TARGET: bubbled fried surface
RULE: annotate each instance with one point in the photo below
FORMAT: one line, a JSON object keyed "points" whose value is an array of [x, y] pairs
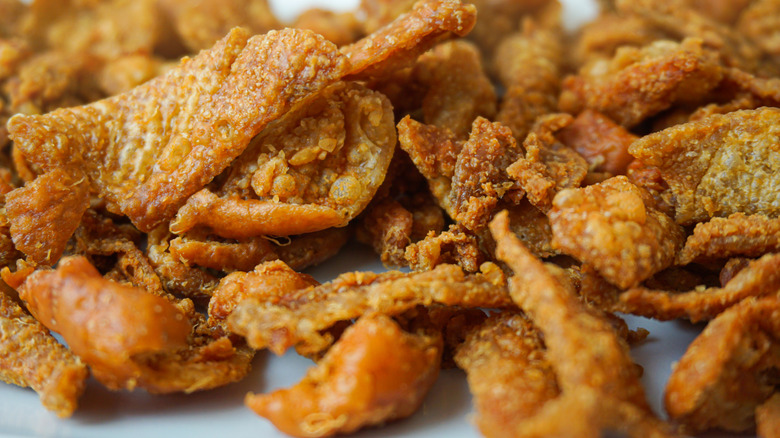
{"points": [[736, 235]]}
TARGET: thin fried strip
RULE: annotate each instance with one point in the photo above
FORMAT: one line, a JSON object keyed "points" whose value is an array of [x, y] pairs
{"points": [[737, 235]]}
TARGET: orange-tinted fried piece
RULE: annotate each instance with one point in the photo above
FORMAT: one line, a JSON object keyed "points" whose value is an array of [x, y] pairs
{"points": [[10, 13], [201, 23], [600, 38], [127, 72], [224, 256], [508, 372], [719, 165], [13, 51], [147, 150], [378, 13], [727, 371], [271, 282], [315, 168], [314, 248], [768, 417], [759, 22], [736, 235], [281, 326], [44, 214], [760, 278], [398, 44], [340, 28], [609, 227], [456, 246], [602, 142], [457, 89], [375, 373], [387, 227], [30, 356], [104, 323], [638, 83]]}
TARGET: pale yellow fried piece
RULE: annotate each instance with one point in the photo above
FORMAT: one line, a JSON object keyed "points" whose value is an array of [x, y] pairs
{"points": [[608, 226], [104, 323], [316, 168], [508, 372], [30, 356], [737, 235], [719, 165], [146, 151], [398, 44], [301, 322], [768, 417], [375, 373], [640, 82], [761, 277], [723, 376]]}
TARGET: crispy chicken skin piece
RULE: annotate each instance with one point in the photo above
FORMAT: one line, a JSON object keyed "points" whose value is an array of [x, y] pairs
{"points": [[508, 373], [737, 235], [768, 417], [455, 245], [104, 323], [718, 165], [375, 373], [340, 28], [279, 326], [640, 82], [224, 256], [726, 373], [608, 226], [602, 142], [146, 151], [387, 227], [400, 42], [30, 356]]}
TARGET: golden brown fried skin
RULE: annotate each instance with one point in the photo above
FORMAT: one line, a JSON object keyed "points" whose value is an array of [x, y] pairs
{"points": [[301, 322], [508, 372], [457, 245], [317, 167], [387, 227], [736, 235], [312, 249], [147, 150], [44, 214], [104, 323], [224, 256], [373, 374], [768, 417], [30, 356], [719, 165], [725, 373], [398, 44], [609, 227], [602, 142], [760, 278], [638, 83], [340, 28], [759, 22], [600, 38], [127, 72], [10, 13]]}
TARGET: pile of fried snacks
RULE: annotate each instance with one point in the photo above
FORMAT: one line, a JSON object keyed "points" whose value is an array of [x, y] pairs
{"points": [[169, 167]]}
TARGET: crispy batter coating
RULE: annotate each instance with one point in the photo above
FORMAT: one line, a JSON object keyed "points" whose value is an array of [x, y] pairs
{"points": [[602, 142], [508, 372], [30, 356], [147, 150], [104, 323], [44, 214], [281, 326], [768, 417], [719, 165], [315, 168], [638, 83], [375, 373], [398, 44], [726, 373], [455, 246], [761, 277], [387, 227], [736, 235], [609, 227], [340, 28]]}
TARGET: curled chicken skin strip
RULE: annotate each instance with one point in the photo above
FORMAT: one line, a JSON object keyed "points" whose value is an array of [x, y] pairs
{"points": [[726, 372], [104, 323], [736, 235], [300, 322], [375, 373], [146, 151]]}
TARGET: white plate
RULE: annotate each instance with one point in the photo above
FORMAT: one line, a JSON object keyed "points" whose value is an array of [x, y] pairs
{"points": [[217, 413]]}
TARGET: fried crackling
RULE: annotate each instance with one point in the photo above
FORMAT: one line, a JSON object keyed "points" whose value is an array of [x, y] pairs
{"points": [[223, 256], [387, 227], [759, 278], [455, 245], [375, 373], [317, 167], [30, 356], [601, 38], [299, 323], [602, 142], [737, 235], [340, 28], [608, 226], [103, 322], [719, 165], [768, 417], [508, 373], [726, 372], [400, 42], [148, 150], [759, 22], [640, 82], [44, 214]]}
